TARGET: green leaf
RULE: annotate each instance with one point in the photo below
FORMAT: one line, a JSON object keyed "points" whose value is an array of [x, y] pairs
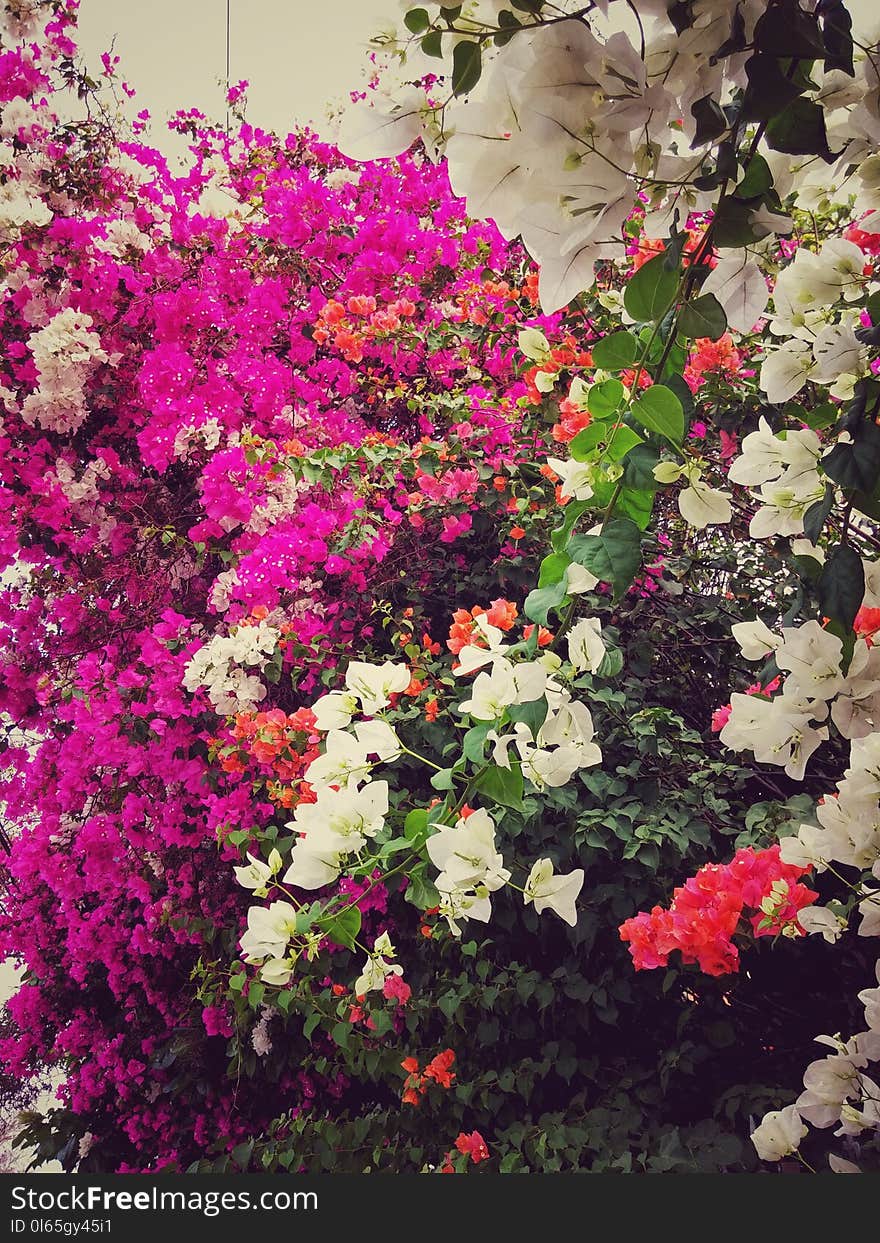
{"points": [[415, 824], [553, 569], [502, 785], [841, 586], [571, 513], [798, 130], [638, 469], [311, 1023], [732, 225], [615, 352], [786, 30], [614, 556], [344, 927], [241, 1153], [442, 780], [856, 465], [704, 317], [467, 66], [417, 21], [538, 603], [816, 515], [432, 44], [661, 412], [710, 119], [757, 178], [770, 90], [604, 398], [622, 441], [651, 291], [823, 416], [638, 504], [421, 892], [837, 31], [340, 1034], [533, 714], [474, 742], [584, 445]]}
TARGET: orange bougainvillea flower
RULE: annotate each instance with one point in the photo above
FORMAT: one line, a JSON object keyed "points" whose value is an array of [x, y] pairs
{"points": [[431, 710], [516, 533], [545, 636], [439, 1068]]}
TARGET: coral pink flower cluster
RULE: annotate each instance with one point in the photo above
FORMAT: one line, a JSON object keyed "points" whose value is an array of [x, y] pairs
{"points": [[708, 910]]}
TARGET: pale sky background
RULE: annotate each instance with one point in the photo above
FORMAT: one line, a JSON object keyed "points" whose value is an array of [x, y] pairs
{"points": [[298, 55]]}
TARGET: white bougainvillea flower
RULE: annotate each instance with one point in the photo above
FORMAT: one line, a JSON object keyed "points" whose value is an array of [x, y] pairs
{"points": [[818, 919], [384, 127], [575, 478], [318, 858], [258, 874], [520, 736], [269, 929], [379, 739], [756, 640], [741, 288], [344, 762], [347, 812], [578, 579], [334, 711], [374, 684], [376, 970], [586, 651], [702, 506], [473, 657], [465, 852], [779, 1134], [784, 507], [276, 971], [555, 893], [556, 767], [779, 731], [457, 903], [838, 352], [785, 372], [766, 456], [572, 727], [533, 344], [491, 694], [811, 655]]}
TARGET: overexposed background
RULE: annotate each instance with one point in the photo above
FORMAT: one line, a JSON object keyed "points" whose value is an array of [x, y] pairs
{"points": [[297, 55]]}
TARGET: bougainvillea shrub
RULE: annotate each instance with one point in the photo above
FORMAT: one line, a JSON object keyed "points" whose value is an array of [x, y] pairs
{"points": [[439, 592]]}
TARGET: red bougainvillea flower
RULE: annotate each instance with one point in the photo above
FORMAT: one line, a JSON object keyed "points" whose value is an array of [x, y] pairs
{"points": [[474, 1146]]}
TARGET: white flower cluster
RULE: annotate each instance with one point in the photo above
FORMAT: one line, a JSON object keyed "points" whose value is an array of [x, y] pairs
{"points": [[350, 807], [65, 352], [848, 833], [190, 438], [20, 206], [573, 119], [787, 728], [471, 868], [836, 1088], [784, 470], [221, 667], [564, 742], [122, 236], [811, 311]]}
